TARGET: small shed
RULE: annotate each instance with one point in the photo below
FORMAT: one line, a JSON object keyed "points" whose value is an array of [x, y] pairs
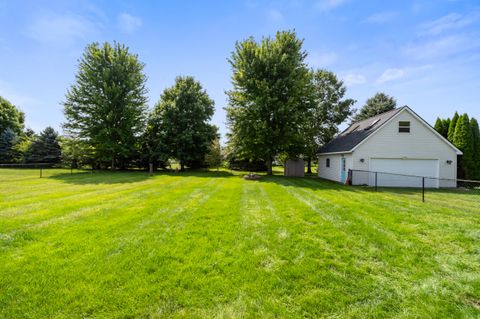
{"points": [[295, 168]]}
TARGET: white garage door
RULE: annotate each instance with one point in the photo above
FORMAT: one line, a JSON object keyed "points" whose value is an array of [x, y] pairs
{"points": [[413, 167]]}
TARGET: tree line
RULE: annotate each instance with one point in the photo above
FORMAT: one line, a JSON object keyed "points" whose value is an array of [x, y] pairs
{"points": [[278, 108], [463, 132]]}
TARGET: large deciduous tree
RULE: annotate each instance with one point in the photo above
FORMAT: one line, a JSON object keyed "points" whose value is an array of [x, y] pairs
{"points": [[179, 127], [45, 148], [106, 107], [10, 117], [269, 97], [326, 111], [378, 104]]}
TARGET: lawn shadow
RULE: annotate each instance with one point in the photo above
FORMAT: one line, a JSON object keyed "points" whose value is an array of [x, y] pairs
{"points": [[122, 177]]}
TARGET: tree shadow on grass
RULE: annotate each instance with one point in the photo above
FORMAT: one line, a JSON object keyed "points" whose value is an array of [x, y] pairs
{"points": [[124, 177]]}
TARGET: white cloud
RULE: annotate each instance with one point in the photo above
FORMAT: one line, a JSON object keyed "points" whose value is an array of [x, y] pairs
{"points": [[129, 23], [325, 5], [452, 21], [65, 29], [390, 75], [354, 79], [321, 60], [381, 17]]}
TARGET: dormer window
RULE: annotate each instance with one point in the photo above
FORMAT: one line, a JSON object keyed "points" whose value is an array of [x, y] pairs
{"points": [[404, 127]]}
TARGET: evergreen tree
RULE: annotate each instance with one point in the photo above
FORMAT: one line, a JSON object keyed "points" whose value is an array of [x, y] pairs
{"points": [[476, 148], [106, 106], [452, 127], [8, 140], [45, 148], [378, 104], [214, 156], [462, 139]]}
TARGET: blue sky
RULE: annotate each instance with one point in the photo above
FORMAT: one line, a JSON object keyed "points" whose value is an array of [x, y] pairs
{"points": [[424, 53]]}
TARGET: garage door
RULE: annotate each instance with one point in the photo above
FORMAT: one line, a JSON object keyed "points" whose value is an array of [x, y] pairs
{"points": [[398, 167]]}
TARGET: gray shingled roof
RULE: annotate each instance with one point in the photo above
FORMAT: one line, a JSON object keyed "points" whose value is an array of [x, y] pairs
{"points": [[357, 132]]}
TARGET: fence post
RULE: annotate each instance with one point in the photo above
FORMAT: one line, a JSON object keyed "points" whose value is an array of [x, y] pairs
{"points": [[423, 189], [376, 187]]}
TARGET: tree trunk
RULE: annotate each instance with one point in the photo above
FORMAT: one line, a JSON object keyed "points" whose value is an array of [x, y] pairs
{"points": [[309, 165], [269, 166], [113, 163], [182, 166]]}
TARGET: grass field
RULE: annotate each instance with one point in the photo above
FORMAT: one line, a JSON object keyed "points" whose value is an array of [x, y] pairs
{"points": [[211, 245]]}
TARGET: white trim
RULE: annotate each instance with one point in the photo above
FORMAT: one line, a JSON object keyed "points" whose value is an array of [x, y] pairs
{"points": [[419, 119], [334, 153]]}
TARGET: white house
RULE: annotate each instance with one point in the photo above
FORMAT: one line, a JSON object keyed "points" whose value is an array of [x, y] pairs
{"points": [[399, 145]]}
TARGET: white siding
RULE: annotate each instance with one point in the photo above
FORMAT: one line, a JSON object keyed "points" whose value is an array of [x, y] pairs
{"points": [[333, 172], [420, 143]]}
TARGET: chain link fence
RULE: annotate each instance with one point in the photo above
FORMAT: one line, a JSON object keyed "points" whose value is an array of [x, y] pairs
{"points": [[384, 179]]}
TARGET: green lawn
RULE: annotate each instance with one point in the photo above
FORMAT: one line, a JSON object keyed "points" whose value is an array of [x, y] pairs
{"points": [[211, 245]]}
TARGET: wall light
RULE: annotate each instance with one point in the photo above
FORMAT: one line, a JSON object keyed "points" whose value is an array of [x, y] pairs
{"points": [[362, 160], [449, 162]]}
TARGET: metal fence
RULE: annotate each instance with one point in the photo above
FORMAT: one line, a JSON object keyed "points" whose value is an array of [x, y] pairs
{"points": [[384, 179], [42, 167]]}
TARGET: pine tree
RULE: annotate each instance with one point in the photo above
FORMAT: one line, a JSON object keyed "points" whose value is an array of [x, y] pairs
{"points": [[45, 148], [476, 148], [452, 126], [377, 104], [440, 127], [8, 140], [462, 139]]}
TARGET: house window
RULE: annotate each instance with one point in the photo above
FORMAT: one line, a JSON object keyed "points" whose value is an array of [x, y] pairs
{"points": [[328, 162], [404, 127]]}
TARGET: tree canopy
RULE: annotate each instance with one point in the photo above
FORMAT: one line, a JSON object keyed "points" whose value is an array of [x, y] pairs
{"points": [[269, 97], [378, 104], [327, 110], [179, 125], [106, 106], [452, 126], [11, 117]]}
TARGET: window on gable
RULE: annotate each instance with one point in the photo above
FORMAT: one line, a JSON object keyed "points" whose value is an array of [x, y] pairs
{"points": [[404, 127], [328, 162]]}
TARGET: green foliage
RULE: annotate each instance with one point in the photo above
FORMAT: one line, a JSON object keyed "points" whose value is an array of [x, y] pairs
{"points": [[328, 109], [476, 148], [378, 104], [10, 117], [45, 148], [452, 126], [441, 126], [8, 140], [269, 98], [463, 140], [179, 125], [214, 156], [75, 152], [106, 107]]}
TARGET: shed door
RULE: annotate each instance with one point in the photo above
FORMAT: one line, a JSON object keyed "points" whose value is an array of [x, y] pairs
{"points": [[413, 167]]}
